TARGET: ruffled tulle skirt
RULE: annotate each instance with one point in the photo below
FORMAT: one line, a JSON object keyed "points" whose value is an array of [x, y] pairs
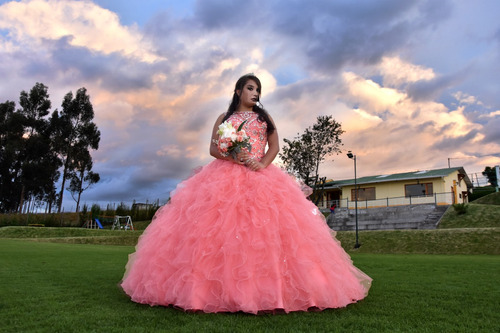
{"points": [[231, 239]]}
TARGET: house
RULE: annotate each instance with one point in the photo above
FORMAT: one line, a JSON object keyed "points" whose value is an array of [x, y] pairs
{"points": [[142, 206], [440, 187]]}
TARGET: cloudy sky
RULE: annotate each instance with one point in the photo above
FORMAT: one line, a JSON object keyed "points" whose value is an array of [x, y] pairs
{"points": [[415, 84]]}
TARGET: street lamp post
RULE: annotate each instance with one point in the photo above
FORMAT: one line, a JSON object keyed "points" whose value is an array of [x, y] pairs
{"points": [[352, 156]]}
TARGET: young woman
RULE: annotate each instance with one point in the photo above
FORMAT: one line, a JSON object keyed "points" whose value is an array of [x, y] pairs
{"points": [[229, 240]]}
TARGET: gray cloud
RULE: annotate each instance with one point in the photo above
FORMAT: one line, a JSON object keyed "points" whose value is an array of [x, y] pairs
{"points": [[429, 125], [334, 34], [492, 131], [222, 14], [116, 72], [433, 89], [455, 143]]}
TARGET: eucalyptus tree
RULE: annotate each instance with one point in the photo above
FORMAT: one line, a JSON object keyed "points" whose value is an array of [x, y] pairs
{"points": [[81, 176], [11, 132], [303, 155], [75, 133], [39, 163]]}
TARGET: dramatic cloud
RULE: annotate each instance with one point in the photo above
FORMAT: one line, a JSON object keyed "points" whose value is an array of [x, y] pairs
{"points": [[412, 82], [82, 23]]}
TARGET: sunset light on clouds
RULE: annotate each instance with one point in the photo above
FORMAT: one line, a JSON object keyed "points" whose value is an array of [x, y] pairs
{"points": [[412, 82]]}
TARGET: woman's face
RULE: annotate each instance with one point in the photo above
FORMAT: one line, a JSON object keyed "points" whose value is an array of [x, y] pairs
{"points": [[249, 95]]}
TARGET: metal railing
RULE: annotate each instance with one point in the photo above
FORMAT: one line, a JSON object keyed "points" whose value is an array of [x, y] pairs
{"points": [[445, 198]]}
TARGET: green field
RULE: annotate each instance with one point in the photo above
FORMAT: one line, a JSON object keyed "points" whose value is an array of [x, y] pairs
{"points": [[57, 287], [444, 280], [440, 241]]}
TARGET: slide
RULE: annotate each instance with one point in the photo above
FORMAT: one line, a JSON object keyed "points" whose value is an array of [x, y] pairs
{"points": [[98, 223]]}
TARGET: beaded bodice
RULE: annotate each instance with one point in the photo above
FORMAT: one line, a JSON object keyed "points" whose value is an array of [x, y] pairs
{"points": [[255, 129]]}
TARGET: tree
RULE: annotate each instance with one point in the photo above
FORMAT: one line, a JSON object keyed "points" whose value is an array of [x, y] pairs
{"points": [[75, 133], [81, 177], [491, 174], [38, 163], [28, 164], [303, 155], [11, 132]]}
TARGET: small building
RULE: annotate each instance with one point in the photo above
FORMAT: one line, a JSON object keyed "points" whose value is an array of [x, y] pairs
{"points": [[142, 206], [440, 186]]}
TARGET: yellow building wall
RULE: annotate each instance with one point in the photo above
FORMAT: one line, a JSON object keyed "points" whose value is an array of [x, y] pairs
{"points": [[459, 186], [447, 190], [397, 188]]}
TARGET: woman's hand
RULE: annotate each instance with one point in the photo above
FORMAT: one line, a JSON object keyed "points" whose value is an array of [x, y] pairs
{"points": [[251, 163], [240, 158], [254, 165]]}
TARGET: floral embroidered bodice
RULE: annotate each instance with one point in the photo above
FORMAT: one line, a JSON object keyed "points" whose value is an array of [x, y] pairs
{"points": [[254, 128]]}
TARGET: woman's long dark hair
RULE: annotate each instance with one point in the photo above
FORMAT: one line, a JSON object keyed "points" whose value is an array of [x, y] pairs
{"points": [[263, 116]]}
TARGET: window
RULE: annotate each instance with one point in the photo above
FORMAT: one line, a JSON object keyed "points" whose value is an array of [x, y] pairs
{"points": [[418, 190], [366, 193]]}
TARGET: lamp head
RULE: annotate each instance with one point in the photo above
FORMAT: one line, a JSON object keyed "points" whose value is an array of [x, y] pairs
{"points": [[349, 154]]}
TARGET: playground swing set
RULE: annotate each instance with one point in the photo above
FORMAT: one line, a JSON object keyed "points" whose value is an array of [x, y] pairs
{"points": [[119, 222]]}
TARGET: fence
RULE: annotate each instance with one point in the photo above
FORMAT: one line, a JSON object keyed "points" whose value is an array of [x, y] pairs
{"points": [[445, 198]]}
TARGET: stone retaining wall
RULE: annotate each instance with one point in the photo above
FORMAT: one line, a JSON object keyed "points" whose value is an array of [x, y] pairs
{"points": [[386, 218]]}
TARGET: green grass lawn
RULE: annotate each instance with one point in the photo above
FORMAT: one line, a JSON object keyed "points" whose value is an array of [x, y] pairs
{"points": [[73, 235], [481, 213], [490, 199], [441, 241], [444, 280], [477, 216], [58, 287]]}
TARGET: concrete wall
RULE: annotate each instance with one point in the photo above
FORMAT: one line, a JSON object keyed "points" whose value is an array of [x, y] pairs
{"points": [[387, 218]]}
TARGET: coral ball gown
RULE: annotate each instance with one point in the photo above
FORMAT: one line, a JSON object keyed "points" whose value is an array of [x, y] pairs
{"points": [[232, 239]]}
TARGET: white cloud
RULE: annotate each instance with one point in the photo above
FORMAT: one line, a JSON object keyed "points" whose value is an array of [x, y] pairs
{"points": [[82, 22], [491, 114], [464, 98], [226, 64], [374, 120], [397, 72], [366, 92]]}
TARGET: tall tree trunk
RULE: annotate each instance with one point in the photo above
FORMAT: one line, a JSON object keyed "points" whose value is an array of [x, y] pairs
{"points": [[31, 205], [61, 193], [82, 175], [78, 202], [21, 200]]}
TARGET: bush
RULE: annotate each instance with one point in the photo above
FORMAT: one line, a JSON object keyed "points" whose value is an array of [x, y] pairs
{"points": [[110, 211], [122, 209], [47, 220], [96, 210], [78, 219], [460, 208], [84, 214]]}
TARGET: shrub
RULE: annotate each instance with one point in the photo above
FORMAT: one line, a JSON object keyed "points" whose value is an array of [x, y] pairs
{"points": [[460, 208], [122, 209], [96, 210], [110, 211], [47, 220]]}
